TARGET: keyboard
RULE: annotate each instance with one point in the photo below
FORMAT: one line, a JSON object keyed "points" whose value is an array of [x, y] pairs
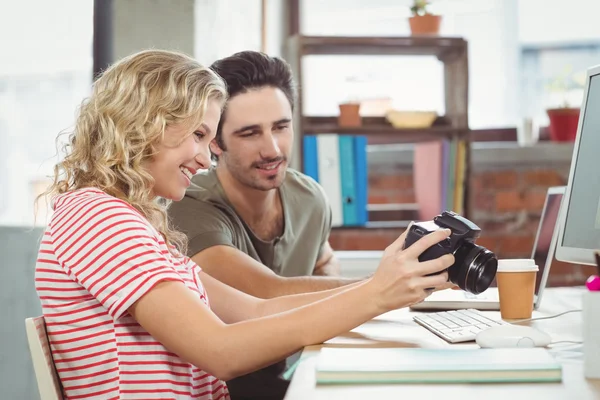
{"points": [[457, 326]]}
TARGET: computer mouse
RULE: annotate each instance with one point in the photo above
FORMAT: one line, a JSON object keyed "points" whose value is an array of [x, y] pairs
{"points": [[512, 336]]}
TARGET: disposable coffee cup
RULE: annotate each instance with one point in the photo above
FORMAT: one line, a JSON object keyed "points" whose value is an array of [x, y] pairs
{"points": [[516, 286]]}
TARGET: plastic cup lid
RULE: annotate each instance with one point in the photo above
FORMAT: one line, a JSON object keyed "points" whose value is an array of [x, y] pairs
{"points": [[517, 265]]}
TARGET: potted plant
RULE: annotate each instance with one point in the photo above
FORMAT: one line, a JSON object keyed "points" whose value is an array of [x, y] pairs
{"points": [[422, 21], [564, 116], [349, 114]]}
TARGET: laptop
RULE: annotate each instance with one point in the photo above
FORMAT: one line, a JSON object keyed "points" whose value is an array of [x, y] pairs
{"points": [[543, 254]]}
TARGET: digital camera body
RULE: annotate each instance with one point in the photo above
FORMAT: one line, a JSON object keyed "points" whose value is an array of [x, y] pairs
{"points": [[475, 267]]}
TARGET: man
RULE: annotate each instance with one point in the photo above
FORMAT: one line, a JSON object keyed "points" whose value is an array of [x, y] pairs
{"points": [[251, 222]]}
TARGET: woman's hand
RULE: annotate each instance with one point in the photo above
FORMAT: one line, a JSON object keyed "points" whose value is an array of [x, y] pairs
{"points": [[401, 279]]}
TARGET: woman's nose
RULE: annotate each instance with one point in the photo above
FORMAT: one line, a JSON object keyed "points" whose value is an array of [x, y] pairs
{"points": [[203, 158]]}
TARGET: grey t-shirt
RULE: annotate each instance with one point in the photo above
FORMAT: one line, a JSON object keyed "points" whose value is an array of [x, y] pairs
{"points": [[208, 219]]}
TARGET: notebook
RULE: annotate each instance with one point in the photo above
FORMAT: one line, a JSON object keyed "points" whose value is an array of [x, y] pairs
{"points": [[446, 365], [542, 253]]}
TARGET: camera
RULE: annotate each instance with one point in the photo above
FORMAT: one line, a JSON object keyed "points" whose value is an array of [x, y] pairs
{"points": [[475, 266]]}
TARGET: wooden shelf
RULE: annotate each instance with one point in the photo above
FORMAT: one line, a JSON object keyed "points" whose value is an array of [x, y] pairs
{"points": [[441, 47], [451, 51], [378, 130]]}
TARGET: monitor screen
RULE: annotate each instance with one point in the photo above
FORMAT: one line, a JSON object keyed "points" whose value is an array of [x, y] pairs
{"points": [[581, 230], [543, 242]]}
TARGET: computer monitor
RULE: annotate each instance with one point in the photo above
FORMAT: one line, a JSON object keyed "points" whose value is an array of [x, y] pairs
{"points": [[579, 234]]}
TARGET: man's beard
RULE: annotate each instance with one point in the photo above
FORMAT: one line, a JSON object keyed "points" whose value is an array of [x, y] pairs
{"points": [[247, 177]]}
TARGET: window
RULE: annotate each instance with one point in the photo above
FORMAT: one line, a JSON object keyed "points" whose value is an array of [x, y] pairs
{"points": [[553, 76], [559, 43], [415, 82], [47, 73]]}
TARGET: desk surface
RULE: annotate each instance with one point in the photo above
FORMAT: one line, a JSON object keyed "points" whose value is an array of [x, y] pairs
{"points": [[397, 329]]}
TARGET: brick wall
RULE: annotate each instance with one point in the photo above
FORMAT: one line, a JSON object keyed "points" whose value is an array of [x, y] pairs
{"points": [[505, 202]]}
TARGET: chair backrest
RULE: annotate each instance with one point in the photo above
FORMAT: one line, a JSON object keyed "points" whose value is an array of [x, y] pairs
{"points": [[47, 379]]}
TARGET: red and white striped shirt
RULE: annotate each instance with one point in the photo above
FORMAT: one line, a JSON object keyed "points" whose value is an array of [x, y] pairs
{"points": [[97, 257]]}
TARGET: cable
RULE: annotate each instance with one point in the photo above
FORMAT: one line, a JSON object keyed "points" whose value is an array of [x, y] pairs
{"points": [[519, 321], [549, 317]]}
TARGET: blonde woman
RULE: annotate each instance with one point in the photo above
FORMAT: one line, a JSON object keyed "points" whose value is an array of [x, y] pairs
{"points": [[127, 315]]}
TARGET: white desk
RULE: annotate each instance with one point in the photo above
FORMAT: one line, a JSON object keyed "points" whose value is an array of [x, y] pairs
{"points": [[397, 329]]}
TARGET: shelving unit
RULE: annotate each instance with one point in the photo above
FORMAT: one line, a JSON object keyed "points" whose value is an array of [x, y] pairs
{"points": [[451, 51], [377, 130]]}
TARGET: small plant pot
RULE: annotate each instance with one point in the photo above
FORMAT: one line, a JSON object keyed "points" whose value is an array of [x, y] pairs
{"points": [[349, 115], [427, 24], [563, 124]]}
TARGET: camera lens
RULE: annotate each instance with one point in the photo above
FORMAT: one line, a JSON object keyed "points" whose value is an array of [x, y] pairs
{"points": [[474, 268]]}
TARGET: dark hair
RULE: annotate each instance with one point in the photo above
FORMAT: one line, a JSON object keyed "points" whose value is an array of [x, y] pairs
{"points": [[248, 70]]}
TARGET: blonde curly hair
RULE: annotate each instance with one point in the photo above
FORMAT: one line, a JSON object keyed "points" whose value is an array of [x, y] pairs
{"points": [[122, 122]]}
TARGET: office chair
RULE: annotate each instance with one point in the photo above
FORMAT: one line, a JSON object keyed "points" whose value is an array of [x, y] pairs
{"points": [[39, 348]]}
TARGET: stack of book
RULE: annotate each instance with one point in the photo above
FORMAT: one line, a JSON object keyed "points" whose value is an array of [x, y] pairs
{"points": [[439, 172], [446, 365], [339, 164]]}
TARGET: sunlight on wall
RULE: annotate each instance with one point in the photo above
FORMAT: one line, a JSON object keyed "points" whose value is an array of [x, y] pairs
{"points": [[46, 77]]}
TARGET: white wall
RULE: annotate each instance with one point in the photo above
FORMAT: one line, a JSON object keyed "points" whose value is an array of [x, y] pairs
{"points": [[45, 72], [552, 21], [45, 36], [143, 24], [225, 27]]}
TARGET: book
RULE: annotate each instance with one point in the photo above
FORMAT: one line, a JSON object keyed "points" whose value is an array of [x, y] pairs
{"points": [[328, 158], [446, 365], [460, 177], [362, 179], [428, 174], [348, 180], [451, 175], [346, 183], [311, 164]]}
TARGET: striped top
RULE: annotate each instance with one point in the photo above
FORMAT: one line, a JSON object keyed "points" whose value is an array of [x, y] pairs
{"points": [[97, 257]]}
